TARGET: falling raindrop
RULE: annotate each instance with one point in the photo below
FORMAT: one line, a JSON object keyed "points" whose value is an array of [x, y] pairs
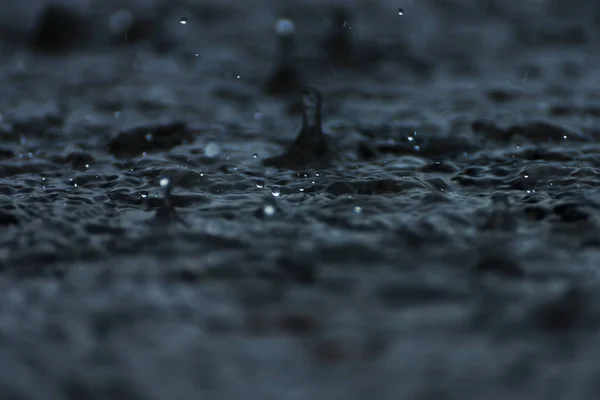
{"points": [[254, 155], [269, 210], [400, 11], [164, 182], [212, 150], [183, 21]]}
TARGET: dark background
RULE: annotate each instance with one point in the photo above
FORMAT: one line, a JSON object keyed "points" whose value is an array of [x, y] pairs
{"points": [[448, 251]]}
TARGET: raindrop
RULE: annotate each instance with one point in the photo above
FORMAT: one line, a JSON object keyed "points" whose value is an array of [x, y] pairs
{"points": [[254, 155], [284, 27], [417, 148], [164, 182], [149, 137], [276, 191], [357, 210], [269, 210], [410, 138], [183, 21], [212, 150], [400, 11]]}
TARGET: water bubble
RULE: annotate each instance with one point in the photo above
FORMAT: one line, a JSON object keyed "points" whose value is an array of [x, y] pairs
{"points": [[164, 182], [269, 210], [276, 191], [400, 11], [183, 21], [212, 150]]}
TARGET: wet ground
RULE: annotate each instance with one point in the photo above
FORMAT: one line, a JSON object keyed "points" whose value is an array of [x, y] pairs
{"points": [[172, 229]]}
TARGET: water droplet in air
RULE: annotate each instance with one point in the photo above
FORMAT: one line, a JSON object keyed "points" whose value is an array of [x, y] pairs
{"points": [[276, 191], [254, 155], [417, 148], [164, 182], [269, 210], [212, 150], [183, 21], [284, 27], [149, 137], [410, 138], [400, 11], [357, 209]]}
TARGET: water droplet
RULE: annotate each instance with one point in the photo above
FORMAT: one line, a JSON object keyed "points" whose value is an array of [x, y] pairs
{"points": [[400, 11], [117, 114], [120, 21], [357, 209], [417, 148], [284, 27], [183, 21], [238, 77], [164, 182], [87, 165], [144, 194], [269, 210], [149, 137], [276, 191], [212, 150], [75, 184], [564, 137], [410, 138], [257, 115], [526, 176], [254, 155]]}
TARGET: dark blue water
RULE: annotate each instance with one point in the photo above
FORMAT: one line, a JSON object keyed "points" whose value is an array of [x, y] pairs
{"points": [[172, 229]]}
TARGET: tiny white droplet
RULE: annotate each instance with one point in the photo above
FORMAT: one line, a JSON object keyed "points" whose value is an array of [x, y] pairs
{"points": [[164, 182], [183, 21], [269, 210], [400, 11]]}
